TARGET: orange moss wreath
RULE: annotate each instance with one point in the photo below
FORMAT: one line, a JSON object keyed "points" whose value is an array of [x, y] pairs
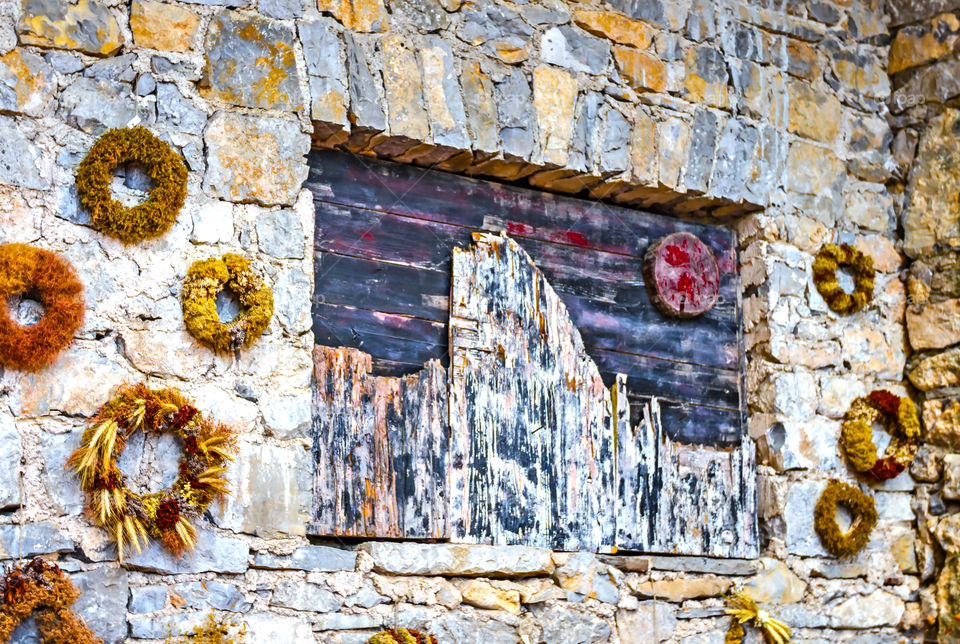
{"points": [[134, 518], [856, 434], [41, 590], [48, 277], [828, 260], [157, 213]]}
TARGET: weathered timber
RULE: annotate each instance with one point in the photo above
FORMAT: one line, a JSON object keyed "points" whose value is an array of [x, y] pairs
{"points": [[381, 448], [532, 424], [678, 499]]}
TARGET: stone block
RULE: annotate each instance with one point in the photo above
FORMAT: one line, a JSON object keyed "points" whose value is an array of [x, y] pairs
{"points": [[811, 113], [644, 158], [281, 9], [879, 608], [167, 27], [684, 588], [103, 602], [163, 626], [939, 370], [302, 595], [860, 75], [408, 558], [178, 111], [82, 382], [640, 626], [39, 538], [703, 565], [358, 15], [564, 622], [566, 47], [309, 558], [325, 56], [9, 462], [703, 144], [292, 299], [919, 44], [483, 594], [484, 22], [673, 136], [250, 61], [796, 514], [941, 420], [19, 158], [616, 27], [776, 583], [813, 170], [936, 326], [255, 159], [517, 121], [441, 93], [951, 477], [554, 95], [26, 83], [95, 106], [585, 575], [280, 234], [735, 152], [615, 140], [810, 444], [214, 553], [87, 25], [706, 77], [403, 90], [366, 103], [641, 70], [932, 215], [869, 207], [480, 108], [212, 594], [213, 223], [147, 599], [271, 488]]}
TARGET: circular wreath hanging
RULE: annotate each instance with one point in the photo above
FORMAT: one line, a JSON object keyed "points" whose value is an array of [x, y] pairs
{"points": [[856, 434], [157, 213], [132, 519], [51, 279], [830, 258], [861, 507], [205, 280], [402, 636], [41, 590]]}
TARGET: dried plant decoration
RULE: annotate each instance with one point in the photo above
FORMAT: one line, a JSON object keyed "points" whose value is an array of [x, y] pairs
{"points": [[832, 257], [402, 636], [862, 508], [900, 416], [745, 611], [132, 519]]}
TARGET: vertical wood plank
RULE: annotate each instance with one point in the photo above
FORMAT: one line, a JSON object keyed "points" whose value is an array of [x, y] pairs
{"points": [[379, 448], [531, 420]]}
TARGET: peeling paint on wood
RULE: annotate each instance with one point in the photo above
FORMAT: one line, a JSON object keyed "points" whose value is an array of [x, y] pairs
{"points": [[679, 499], [381, 448], [532, 422]]}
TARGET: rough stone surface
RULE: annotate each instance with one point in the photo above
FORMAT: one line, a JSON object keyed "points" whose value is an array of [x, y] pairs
{"points": [[41, 538], [103, 602], [251, 61], [464, 560], [936, 327], [309, 558], [9, 463], [95, 106], [300, 595], [933, 212], [919, 44], [566, 47], [163, 26], [87, 25], [19, 158], [251, 159], [26, 83], [214, 553], [585, 575], [652, 621]]}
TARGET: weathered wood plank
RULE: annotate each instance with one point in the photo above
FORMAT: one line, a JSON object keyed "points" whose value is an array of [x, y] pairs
{"points": [[381, 448], [532, 422], [676, 499]]}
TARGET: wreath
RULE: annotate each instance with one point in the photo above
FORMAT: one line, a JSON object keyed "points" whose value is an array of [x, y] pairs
{"points": [[205, 280], [856, 434], [41, 590], [52, 280], [157, 213], [402, 636], [828, 260], [861, 506], [131, 519]]}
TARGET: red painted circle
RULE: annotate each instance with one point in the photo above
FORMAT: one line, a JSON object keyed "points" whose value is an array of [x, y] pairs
{"points": [[682, 275]]}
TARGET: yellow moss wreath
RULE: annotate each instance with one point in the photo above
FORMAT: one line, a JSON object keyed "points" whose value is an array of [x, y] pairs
{"points": [[157, 213], [856, 434], [402, 636], [828, 260], [205, 279], [861, 507]]}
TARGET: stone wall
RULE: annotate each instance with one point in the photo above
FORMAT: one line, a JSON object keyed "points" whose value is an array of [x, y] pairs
{"points": [[922, 66], [768, 114]]}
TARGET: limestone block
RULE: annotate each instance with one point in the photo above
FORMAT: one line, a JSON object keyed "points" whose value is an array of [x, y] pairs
{"points": [[9, 462], [39, 538], [941, 420], [302, 595], [255, 159], [167, 27], [214, 553], [813, 170], [480, 108], [309, 558], [95, 106], [516, 120], [554, 95], [441, 94], [483, 594], [933, 213], [706, 77], [651, 617], [812, 114], [616, 27], [563, 622], [565, 47], [408, 558], [918, 44], [776, 583], [936, 326], [250, 61], [19, 158], [358, 15], [325, 56], [641, 70], [684, 588], [951, 477], [366, 103], [87, 25], [879, 608], [26, 83], [810, 444], [103, 602], [147, 599], [585, 575]]}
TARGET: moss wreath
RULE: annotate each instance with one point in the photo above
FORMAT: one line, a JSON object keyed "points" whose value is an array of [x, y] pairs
{"points": [[861, 506], [402, 636], [157, 213], [53, 281], [134, 518], [856, 434], [828, 260], [41, 590], [205, 279]]}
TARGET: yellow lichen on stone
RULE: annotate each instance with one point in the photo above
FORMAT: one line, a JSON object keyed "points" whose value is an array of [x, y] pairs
{"points": [[554, 97], [87, 26], [163, 26], [402, 86], [921, 44], [358, 15], [616, 27], [641, 70]]}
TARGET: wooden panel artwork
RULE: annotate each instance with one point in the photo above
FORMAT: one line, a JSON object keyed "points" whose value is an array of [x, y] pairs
{"points": [[381, 448], [531, 420]]}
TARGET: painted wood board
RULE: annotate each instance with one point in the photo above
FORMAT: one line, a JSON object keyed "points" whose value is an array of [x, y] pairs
{"points": [[532, 423], [381, 449]]}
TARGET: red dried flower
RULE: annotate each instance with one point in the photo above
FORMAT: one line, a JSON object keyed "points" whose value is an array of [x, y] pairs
{"points": [[168, 513], [183, 416], [886, 468], [109, 481], [191, 444], [885, 402]]}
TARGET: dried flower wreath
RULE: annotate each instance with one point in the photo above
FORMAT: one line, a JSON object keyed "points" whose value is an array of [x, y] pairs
{"points": [[861, 507], [157, 213], [205, 279], [41, 590], [53, 281], [745, 610], [131, 519], [856, 434], [828, 260], [402, 636]]}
